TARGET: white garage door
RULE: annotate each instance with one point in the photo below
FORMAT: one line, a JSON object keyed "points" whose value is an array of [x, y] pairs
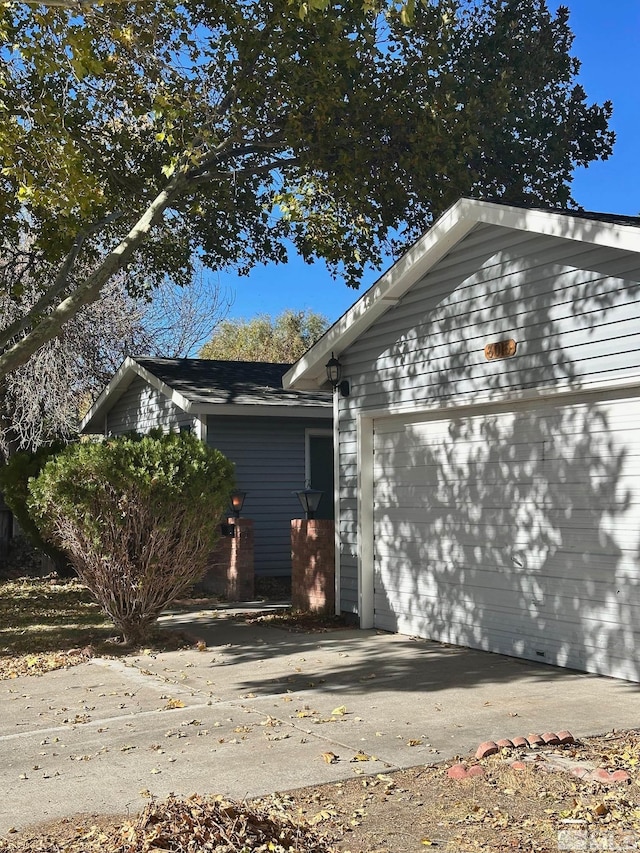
{"points": [[515, 531]]}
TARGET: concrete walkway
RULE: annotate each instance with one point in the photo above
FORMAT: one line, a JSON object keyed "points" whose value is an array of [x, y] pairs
{"points": [[253, 713]]}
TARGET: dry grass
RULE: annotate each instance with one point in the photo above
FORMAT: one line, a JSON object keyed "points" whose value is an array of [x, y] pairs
{"points": [[503, 811], [49, 623]]}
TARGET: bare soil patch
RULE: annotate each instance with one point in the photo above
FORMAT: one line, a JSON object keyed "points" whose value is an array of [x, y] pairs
{"points": [[504, 810], [299, 621]]}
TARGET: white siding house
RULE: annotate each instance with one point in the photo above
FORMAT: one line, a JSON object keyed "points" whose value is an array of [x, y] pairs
{"points": [[240, 408], [489, 449]]}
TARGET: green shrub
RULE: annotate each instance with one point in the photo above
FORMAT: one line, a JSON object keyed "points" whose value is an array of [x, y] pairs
{"points": [[14, 485], [137, 517]]}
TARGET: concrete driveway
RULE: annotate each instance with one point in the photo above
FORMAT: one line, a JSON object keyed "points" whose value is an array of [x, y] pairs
{"points": [[253, 713]]}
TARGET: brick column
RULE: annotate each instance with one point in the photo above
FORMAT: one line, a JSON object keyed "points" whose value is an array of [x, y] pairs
{"points": [[230, 573], [313, 565]]}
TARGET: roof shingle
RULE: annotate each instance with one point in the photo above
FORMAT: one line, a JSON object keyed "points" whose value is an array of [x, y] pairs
{"points": [[239, 382]]}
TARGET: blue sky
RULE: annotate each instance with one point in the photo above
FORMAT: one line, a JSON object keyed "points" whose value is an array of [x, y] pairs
{"points": [[607, 41]]}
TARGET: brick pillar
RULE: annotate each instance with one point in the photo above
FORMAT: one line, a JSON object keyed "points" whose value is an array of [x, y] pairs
{"points": [[230, 573], [313, 565]]}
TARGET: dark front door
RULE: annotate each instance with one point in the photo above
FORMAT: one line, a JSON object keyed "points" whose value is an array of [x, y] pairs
{"points": [[321, 471]]}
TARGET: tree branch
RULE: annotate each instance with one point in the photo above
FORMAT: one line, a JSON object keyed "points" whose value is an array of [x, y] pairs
{"points": [[243, 173], [59, 286], [89, 290]]}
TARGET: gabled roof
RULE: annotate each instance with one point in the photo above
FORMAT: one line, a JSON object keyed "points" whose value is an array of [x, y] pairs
{"points": [[615, 231], [201, 380], [202, 386]]}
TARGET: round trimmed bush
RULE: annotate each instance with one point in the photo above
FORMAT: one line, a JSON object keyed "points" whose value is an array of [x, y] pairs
{"points": [[137, 516]]}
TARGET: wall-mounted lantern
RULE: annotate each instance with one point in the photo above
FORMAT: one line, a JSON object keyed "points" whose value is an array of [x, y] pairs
{"points": [[309, 501], [334, 375]]}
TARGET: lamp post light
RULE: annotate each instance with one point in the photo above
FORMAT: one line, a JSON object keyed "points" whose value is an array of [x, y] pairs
{"points": [[236, 499], [309, 500], [237, 502]]}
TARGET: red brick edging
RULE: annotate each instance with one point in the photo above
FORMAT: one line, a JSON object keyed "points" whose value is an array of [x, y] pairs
{"points": [[460, 771]]}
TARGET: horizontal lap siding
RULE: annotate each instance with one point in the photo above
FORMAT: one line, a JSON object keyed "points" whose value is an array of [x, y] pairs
{"points": [[142, 408], [515, 531], [269, 455], [574, 310]]}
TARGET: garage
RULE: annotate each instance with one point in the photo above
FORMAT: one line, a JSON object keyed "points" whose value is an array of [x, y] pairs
{"points": [[487, 437], [514, 530]]}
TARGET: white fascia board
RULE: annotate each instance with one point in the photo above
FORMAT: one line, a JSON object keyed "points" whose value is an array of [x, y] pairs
{"points": [[265, 410], [575, 227], [170, 393], [454, 224], [451, 227], [119, 383]]}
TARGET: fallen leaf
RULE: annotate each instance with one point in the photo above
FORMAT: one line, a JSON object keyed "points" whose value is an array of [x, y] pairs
{"points": [[323, 814], [339, 711], [330, 757], [174, 703]]}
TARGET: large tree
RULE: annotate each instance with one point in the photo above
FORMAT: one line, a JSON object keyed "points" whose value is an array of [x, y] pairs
{"points": [[139, 136], [263, 338], [43, 400]]}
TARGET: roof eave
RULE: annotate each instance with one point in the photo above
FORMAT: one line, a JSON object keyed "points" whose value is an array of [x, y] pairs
{"points": [[93, 421], [259, 410], [309, 371], [109, 395]]}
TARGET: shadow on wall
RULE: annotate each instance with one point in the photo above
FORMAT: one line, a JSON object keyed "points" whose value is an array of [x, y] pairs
{"points": [[516, 530], [512, 532]]}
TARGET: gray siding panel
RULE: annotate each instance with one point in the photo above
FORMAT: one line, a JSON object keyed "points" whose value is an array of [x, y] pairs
{"points": [[269, 455], [574, 310], [142, 407]]}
